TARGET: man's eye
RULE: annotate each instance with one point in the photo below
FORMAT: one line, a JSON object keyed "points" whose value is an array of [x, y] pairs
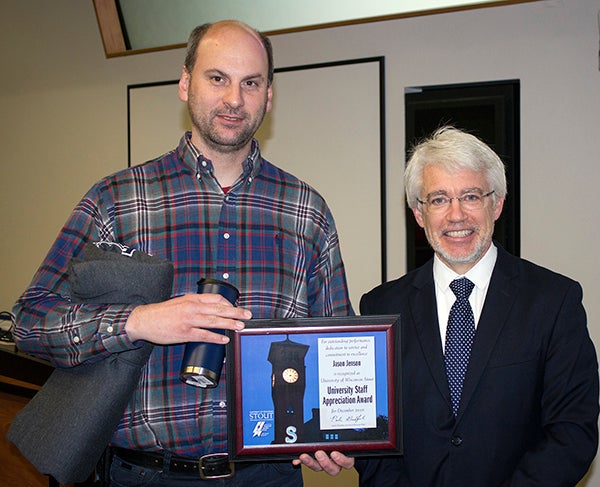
{"points": [[438, 200], [471, 197], [217, 79]]}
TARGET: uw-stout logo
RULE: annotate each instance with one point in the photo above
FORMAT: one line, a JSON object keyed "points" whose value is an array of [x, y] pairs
{"points": [[263, 422], [292, 436]]}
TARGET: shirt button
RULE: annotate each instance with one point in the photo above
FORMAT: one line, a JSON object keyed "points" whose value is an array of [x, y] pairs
{"points": [[225, 275], [226, 236], [457, 440], [109, 329], [203, 163], [222, 404], [76, 339]]}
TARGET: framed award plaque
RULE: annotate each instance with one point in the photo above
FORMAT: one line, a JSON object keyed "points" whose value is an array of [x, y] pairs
{"points": [[301, 385]]}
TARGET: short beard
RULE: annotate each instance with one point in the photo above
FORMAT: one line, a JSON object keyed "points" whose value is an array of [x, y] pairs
{"points": [[470, 258], [226, 146], [212, 137]]}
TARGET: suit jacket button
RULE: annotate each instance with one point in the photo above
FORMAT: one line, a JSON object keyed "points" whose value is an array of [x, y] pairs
{"points": [[456, 440]]}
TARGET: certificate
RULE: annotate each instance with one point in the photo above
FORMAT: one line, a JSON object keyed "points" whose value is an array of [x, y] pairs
{"points": [[301, 385]]}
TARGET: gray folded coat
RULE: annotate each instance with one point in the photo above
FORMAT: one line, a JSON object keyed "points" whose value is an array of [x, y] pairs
{"points": [[67, 425]]}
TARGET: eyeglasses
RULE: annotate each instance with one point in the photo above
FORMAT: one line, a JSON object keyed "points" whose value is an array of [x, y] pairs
{"points": [[473, 200]]}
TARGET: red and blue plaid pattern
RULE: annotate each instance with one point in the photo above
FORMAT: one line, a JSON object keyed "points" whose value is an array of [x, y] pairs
{"points": [[272, 236]]}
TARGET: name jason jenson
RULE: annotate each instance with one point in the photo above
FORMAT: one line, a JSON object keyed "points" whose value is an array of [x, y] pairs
{"points": [[347, 363]]}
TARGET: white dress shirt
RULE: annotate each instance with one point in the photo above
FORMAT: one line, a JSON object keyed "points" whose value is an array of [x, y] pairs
{"points": [[480, 275]]}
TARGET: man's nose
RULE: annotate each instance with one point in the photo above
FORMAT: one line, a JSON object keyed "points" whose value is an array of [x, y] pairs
{"points": [[455, 210], [233, 96]]}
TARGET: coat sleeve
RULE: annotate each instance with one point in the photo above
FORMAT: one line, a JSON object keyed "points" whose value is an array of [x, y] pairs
{"points": [[381, 472], [569, 403]]}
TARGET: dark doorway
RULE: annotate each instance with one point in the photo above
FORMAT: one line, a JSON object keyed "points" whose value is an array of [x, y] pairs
{"points": [[488, 110]]}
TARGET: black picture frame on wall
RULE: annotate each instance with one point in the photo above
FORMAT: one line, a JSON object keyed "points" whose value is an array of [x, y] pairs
{"points": [[489, 110], [156, 119]]}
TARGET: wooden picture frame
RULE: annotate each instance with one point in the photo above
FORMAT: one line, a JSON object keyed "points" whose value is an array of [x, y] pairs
{"points": [[301, 385]]}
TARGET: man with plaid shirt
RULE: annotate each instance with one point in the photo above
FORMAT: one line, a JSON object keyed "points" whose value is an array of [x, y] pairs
{"points": [[215, 208]]}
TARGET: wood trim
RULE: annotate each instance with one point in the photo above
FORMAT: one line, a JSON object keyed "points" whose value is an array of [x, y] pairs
{"points": [[18, 383], [110, 27], [113, 39]]}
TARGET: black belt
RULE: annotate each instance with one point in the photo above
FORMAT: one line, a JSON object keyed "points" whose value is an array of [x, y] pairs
{"points": [[208, 467]]}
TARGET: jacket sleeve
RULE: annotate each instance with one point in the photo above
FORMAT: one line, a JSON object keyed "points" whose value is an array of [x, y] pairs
{"points": [[569, 403], [380, 472]]}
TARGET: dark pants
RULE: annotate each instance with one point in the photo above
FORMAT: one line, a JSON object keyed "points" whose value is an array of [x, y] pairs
{"points": [[275, 474]]}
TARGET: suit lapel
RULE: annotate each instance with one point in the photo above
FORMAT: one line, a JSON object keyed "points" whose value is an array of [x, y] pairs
{"points": [[424, 313], [500, 297]]}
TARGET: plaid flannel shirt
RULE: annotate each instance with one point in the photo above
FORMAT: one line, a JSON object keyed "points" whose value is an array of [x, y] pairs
{"points": [[272, 236]]}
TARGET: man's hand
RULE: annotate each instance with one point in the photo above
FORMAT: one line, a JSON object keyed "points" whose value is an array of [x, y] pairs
{"points": [[185, 319], [333, 464]]}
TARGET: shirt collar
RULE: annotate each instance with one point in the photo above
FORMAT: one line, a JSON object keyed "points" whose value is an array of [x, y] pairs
{"points": [[480, 274], [193, 158]]}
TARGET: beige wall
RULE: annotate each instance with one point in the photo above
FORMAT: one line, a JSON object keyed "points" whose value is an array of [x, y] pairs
{"points": [[63, 117]]}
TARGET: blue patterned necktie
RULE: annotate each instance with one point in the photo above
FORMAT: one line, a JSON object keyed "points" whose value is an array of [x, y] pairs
{"points": [[459, 338]]}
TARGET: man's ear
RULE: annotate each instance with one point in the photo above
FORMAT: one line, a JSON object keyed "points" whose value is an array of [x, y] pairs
{"points": [[269, 98], [184, 84], [418, 216], [498, 208]]}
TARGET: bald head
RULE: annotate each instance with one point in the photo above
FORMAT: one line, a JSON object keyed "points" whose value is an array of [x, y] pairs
{"points": [[225, 27]]}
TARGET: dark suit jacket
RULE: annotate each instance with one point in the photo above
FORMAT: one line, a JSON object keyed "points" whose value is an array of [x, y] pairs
{"points": [[529, 407]]}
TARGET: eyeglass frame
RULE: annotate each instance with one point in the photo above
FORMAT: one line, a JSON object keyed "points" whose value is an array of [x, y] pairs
{"points": [[457, 198]]}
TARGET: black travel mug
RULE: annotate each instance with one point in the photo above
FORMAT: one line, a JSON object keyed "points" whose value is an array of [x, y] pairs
{"points": [[202, 362]]}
